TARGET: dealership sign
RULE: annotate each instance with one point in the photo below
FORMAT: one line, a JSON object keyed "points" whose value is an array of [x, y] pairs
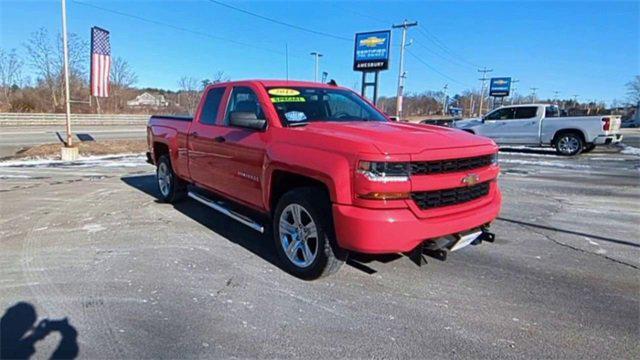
{"points": [[372, 51], [500, 87]]}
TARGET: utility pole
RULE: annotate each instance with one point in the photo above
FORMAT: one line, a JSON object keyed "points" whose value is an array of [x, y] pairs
{"points": [[483, 79], [533, 93], [444, 99], [555, 95], [401, 74], [317, 57], [513, 89]]}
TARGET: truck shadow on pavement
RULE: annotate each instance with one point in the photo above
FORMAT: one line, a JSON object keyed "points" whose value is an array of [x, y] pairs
{"points": [[259, 244], [19, 333]]}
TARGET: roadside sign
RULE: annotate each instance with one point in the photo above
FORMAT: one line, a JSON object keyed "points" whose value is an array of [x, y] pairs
{"points": [[371, 51], [500, 87]]}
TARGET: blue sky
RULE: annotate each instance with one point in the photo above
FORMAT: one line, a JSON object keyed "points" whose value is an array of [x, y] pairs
{"points": [[586, 48]]}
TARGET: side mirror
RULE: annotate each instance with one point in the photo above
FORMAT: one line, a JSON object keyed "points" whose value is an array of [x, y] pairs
{"points": [[247, 120], [393, 118]]}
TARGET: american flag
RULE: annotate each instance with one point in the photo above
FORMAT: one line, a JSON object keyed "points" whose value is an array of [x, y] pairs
{"points": [[100, 62]]}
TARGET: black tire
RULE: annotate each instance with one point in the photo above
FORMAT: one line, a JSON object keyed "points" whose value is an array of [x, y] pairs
{"points": [[317, 209], [569, 144], [588, 148], [175, 189]]}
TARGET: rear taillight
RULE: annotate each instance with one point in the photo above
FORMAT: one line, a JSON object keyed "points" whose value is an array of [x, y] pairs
{"points": [[606, 123]]}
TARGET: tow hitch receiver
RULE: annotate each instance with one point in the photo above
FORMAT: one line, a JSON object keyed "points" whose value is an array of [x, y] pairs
{"points": [[437, 248]]}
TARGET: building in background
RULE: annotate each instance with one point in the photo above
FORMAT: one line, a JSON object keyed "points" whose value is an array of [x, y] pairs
{"points": [[148, 100]]}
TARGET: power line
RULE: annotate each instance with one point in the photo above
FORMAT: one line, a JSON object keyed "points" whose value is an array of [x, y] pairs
{"points": [[435, 70], [183, 29], [444, 47], [276, 21]]}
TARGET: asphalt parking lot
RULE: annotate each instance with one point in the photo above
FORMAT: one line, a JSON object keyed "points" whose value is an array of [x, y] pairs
{"points": [[139, 279]]}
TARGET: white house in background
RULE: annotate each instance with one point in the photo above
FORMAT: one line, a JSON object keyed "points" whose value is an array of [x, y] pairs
{"points": [[148, 99]]}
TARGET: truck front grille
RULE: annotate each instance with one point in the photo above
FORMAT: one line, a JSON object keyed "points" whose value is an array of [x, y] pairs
{"points": [[452, 165], [446, 197]]}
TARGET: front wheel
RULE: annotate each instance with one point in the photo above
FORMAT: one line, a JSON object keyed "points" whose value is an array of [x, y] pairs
{"points": [[569, 144], [304, 235]]}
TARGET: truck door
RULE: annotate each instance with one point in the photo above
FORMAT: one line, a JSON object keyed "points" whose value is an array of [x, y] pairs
{"points": [[204, 158], [242, 151], [523, 128], [494, 124]]}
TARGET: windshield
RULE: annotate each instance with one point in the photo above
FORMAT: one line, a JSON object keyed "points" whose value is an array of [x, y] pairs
{"points": [[301, 105]]}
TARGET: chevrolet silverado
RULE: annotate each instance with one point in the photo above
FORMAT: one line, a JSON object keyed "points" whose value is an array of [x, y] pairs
{"points": [[326, 172], [542, 125]]}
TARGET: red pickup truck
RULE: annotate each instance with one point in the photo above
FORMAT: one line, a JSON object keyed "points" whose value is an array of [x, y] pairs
{"points": [[328, 171]]}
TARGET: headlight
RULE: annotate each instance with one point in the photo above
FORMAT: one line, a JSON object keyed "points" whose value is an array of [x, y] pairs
{"points": [[384, 171], [494, 159]]}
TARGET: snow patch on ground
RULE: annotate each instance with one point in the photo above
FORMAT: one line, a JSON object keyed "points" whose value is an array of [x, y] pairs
{"points": [[5, 177], [123, 160], [544, 163], [93, 228], [630, 150]]}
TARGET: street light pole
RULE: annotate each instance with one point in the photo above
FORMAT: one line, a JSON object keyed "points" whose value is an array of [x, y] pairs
{"points": [[401, 74], [317, 57]]}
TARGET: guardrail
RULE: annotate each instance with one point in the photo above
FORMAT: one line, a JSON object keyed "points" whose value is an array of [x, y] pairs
{"points": [[30, 119]]}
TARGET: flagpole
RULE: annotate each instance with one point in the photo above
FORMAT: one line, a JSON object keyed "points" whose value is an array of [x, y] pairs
{"points": [[66, 72]]}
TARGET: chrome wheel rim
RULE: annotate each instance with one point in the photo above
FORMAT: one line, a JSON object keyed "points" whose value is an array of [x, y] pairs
{"points": [[568, 144], [164, 179], [298, 235]]}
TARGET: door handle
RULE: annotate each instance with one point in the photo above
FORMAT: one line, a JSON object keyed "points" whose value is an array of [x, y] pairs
{"points": [[194, 134], [219, 139]]}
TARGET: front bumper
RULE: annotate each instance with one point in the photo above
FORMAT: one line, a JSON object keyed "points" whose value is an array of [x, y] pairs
{"points": [[380, 231], [608, 139]]}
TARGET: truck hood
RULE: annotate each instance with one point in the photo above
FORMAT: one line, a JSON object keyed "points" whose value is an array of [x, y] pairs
{"points": [[467, 123], [397, 138]]}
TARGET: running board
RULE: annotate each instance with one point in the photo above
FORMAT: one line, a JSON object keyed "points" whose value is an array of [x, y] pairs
{"points": [[223, 210]]}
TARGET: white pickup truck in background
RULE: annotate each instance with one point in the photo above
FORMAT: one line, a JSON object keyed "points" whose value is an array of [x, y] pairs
{"points": [[541, 125]]}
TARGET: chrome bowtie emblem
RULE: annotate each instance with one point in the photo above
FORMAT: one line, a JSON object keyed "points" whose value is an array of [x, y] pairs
{"points": [[471, 179]]}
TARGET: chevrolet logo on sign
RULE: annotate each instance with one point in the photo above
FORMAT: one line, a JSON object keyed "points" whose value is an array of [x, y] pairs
{"points": [[500, 82], [372, 41], [471, 179]]}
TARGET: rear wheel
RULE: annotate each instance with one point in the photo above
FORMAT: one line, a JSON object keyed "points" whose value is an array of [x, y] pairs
{"points": [[569, 144], [304, 236], [172, 189]]}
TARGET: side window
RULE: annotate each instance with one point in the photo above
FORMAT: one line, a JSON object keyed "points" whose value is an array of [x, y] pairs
{"points": [[243, 100], [211, 106], [551, 111], [526, 112], [501, 114]]}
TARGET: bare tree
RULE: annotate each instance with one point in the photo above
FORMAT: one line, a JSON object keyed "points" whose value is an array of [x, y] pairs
{"points": [[10, 72], [189, 93], [633, 90], [218, 77], [46, 58], [122, 78]]}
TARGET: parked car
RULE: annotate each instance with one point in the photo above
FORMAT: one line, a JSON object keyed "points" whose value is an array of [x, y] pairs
{"points": [[327, 171], [541, 125], [634, 120]]}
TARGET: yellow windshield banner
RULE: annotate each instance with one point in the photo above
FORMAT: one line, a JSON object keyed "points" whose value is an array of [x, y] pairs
{"points": [[283, 99], [284, 92]]}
